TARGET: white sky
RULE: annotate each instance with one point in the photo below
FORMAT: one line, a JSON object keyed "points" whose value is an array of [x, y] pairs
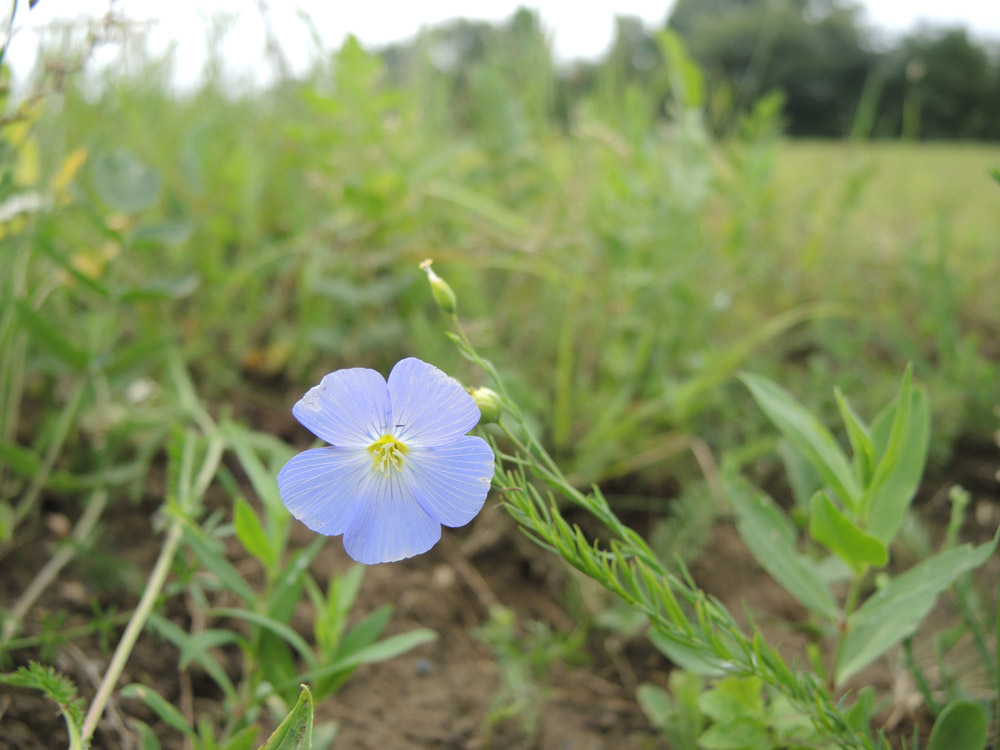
{"points": [[577, 29]]}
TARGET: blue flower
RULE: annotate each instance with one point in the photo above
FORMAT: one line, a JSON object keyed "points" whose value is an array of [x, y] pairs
{"points": [[399, 464]]}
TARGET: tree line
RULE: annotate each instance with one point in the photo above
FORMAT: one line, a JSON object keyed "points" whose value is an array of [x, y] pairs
{"points": [[836, 76]]}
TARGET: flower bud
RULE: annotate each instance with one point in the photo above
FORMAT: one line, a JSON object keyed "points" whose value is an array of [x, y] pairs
{"points": [[489, 404], [443, 294]]}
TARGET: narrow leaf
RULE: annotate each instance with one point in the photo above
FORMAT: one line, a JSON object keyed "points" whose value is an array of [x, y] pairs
{"points": [[861, 440], [215, 561], [384, 650], [897, 610], [278, 628], [890, 499], [47, 336], [197, 644], [771, 538], [251, 534], [807, 435], [160, 706], [888, 458]]}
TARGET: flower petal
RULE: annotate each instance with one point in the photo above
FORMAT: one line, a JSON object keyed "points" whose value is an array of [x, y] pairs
{"points": [[348, 408], [451, 482], [325, 487], [391, 526], [428, 407]]}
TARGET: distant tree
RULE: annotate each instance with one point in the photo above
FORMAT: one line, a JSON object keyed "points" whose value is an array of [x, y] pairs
{"points": [[942, 84], [815, 53]]}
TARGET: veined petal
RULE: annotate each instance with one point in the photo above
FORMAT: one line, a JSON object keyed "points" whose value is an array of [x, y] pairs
{"points": [[450, 482], [325, 488], [428, 407], [391, 526], [348, 408]]}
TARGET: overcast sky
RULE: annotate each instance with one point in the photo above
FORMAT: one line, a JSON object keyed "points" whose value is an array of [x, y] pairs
{"points": [[577, 29]]}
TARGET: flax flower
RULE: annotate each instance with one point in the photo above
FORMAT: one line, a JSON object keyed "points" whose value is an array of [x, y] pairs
{"points": [[399, 464]]}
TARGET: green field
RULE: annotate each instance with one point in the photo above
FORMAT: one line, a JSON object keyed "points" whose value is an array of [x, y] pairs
{"points": [[178, 270]]}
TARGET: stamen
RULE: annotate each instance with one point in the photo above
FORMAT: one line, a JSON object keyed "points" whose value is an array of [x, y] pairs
{"points": [[387, 454]]}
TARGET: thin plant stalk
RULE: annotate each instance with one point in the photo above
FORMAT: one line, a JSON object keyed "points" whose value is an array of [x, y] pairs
{"points": [[91, 514], [154, 585], [135, 626]]}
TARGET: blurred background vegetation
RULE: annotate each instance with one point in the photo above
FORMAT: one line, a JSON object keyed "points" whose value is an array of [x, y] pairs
{"points": [[623, 235]]}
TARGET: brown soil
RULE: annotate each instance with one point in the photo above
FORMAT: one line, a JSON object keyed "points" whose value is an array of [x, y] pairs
{"points": [[443, 694]]}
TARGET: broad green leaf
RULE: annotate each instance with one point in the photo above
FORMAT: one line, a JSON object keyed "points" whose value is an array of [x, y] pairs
{"points": [[207, 550], [861, 440], [831, 528], [771, 538], [160, 706], [961, 726], [890, 499], [295, 732], [807, 435], [251, 534], [896, 611], [51, 338], [124, 183]]}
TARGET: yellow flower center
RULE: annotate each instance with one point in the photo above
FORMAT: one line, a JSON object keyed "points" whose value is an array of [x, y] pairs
{"points": [[387, 453]]}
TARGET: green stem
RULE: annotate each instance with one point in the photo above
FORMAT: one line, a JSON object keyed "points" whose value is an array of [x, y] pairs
{"points": [[135, 625], [850, 602]]}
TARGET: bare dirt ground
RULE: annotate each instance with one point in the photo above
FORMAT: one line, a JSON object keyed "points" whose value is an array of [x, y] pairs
{"points": [[443, 694]]}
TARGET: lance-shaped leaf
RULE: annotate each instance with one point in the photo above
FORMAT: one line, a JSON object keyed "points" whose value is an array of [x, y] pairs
{"points": [[897, 610], [891, 492], [862, 447], [295, 732], [807, 435], [771, 538], [831, 528]]}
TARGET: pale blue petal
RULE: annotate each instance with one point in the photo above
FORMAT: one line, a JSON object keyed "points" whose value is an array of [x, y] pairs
{"points": [[428, 407], [392, 526], [450, 482], [326, 487], [348, 408]]}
